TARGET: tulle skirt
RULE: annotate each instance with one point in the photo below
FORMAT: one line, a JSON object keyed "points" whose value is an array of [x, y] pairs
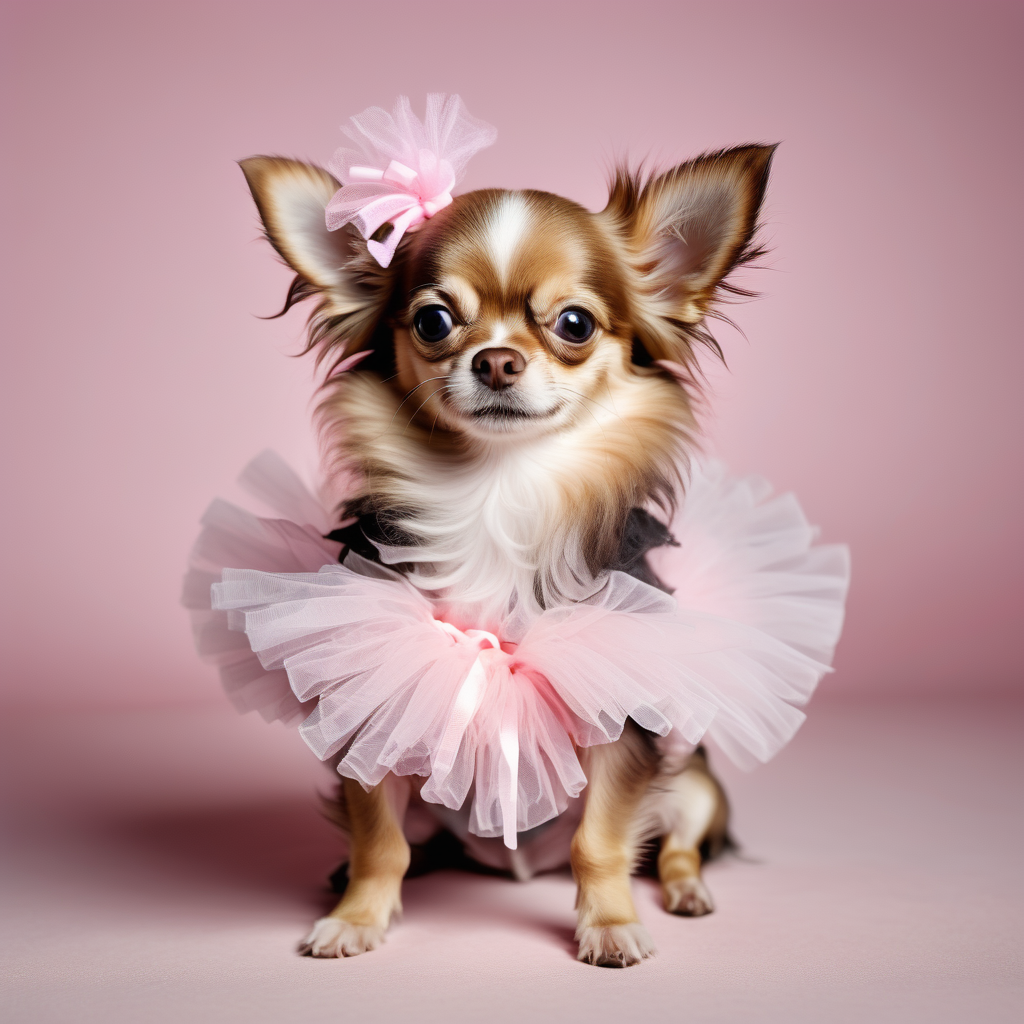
{"points": [[381, 684]]}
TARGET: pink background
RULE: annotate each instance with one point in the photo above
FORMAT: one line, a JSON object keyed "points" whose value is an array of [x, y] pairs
{"points": [[881, 379]]}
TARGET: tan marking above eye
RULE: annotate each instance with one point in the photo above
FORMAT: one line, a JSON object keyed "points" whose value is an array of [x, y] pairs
{"points": [[451, 294], [547, 308], [463, 295]]}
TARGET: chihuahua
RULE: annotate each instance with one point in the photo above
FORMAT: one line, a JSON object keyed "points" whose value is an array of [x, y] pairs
{"points": [[524, 396]]}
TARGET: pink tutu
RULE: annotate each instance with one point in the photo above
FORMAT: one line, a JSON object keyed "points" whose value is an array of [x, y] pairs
{"points": [[384, 685]]}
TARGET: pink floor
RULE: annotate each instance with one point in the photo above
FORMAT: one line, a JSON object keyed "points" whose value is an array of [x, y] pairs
{"points": [[161, 867]]}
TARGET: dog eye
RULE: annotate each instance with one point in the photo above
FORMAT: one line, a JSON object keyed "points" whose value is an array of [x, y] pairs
{"points": [[574, 325], [433, 323]]}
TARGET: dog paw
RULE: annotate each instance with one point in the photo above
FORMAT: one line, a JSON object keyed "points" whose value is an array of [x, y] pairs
{"points": [[334, 937], [617, 945], [688, 897]]}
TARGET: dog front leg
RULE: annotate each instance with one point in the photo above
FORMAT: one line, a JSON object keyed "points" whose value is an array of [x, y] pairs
{"points": [[378, 860], [604, 849]]}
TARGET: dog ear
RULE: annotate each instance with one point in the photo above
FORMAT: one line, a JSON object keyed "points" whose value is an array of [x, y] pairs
{"points": [[686, 229], [291, 198]]}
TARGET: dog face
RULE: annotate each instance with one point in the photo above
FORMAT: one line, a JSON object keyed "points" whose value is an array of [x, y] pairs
{"points": [[516, 314]]}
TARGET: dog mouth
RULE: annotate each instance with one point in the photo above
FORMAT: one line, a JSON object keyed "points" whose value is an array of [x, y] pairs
{"points": [[508, 413], [504, 412]]}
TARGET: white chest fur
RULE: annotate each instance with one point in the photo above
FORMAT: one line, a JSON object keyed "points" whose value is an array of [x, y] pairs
{"points": [[492, 531]]}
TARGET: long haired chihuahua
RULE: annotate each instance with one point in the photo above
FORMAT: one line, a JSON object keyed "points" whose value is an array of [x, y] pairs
{"points": [[519, 392]]}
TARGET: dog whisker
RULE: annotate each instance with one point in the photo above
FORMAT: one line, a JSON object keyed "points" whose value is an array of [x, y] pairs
{"points": [[409, 394], [433, 394]]}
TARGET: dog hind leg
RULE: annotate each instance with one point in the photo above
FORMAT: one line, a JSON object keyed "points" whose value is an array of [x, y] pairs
{"points": [[694, 811]]}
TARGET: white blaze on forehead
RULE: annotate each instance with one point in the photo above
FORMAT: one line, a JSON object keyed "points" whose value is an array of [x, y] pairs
{"points": [[498, 334], [506, 227]]}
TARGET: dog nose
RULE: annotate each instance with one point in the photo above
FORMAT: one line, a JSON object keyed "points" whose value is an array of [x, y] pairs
{"points": [[497, 368]]}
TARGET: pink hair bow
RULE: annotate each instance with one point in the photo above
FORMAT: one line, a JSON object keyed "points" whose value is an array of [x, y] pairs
{"points": [[405, 170]]}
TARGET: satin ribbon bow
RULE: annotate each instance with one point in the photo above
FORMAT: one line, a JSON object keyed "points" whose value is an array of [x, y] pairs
{"points": [[466, 703], [405, 169]]}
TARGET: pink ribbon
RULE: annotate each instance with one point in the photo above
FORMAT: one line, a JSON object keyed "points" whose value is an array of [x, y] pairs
{"points": [[467, 701], [405, 171], [347, 364]]}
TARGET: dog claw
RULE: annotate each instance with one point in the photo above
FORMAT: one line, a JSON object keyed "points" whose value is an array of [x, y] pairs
{"points": [[620, 945], [335, 937], [687, 897]]}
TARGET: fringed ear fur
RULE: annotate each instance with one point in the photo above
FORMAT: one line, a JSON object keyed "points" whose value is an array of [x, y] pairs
{"points": [[685, 231], [335, 265]]}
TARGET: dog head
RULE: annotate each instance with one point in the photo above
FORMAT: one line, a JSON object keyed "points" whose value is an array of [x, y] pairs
{"points": [[516, 314]]}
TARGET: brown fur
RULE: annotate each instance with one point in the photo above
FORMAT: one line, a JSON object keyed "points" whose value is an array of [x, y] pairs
{"points": [[605, 847], [605, 426], [379, 858]]}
